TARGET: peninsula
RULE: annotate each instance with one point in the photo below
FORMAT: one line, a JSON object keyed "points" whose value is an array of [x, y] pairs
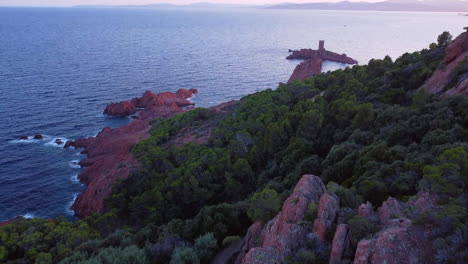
{"points": [[313, 61]]}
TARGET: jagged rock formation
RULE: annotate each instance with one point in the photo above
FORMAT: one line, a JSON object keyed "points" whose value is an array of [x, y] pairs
{"points": [[398, 240], [283, 235], [452, 77], [313, 61]]}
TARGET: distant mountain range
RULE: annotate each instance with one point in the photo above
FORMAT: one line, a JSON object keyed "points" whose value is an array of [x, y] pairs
{"points": [[391, 5]]}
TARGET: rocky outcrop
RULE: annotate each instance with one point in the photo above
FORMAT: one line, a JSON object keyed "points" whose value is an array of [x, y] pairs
{"points": [[313, 61], [38, 137], [283, 235], [390, 209], [109, 153], [306, 70], [447, 80], [341, 245], [124, 108], [326, 215], [253, 239], [14, 220], [367, 210], [398, 243], [321, 53]]}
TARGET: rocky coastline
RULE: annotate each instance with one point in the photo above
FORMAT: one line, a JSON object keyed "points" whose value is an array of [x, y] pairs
{"points": [[109, 155]]}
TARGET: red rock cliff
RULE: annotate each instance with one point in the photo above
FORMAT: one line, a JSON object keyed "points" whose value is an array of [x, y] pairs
{"points": [[444, 80]]}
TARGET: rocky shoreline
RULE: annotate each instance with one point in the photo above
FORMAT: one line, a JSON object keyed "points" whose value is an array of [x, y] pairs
{"points": [[109, 156]]}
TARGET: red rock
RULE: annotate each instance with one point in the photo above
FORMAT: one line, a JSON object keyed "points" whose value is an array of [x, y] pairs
{"points": [[38, 137], [14, 220], [341, 245], [193, 91], [58, 141], [326, 215], [124, 108], [392, 208], [283, 235], [251, 240], [261, 256], [456, 48], [24, 138], [425, 201], [321, 53], [398, 243], [184, 93], [86, 162], [438, 83], [306, 70], [367, 210], [69, 144]]}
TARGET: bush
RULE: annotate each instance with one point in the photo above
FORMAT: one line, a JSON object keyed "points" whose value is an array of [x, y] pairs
{"points": [[264, 205], [205, 246], [185, 255], [227, 241], [361, 228]]}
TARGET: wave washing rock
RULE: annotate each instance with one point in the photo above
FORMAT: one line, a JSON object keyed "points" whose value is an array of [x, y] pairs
{"points": [[442, 82], [109, 153], [306, 70], [283, 235]]}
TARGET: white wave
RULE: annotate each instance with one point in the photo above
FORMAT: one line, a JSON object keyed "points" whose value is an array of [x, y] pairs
{"points": [[51, 142], [74, 178], [28, 216], [75, 164], [70, 204]]}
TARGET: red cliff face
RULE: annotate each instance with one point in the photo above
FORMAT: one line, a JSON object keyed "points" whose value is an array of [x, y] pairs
{"points": [[109, 153], [439, 82], [306, 70]]}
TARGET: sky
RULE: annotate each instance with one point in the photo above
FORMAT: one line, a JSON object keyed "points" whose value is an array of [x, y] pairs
{"points": [[143, 2]]}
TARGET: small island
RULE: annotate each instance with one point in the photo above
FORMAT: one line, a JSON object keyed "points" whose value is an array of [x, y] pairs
{"points": [[313, 61]]}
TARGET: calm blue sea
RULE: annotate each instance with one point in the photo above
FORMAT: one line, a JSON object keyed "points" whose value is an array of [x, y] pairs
{"points": [[59, 68]]}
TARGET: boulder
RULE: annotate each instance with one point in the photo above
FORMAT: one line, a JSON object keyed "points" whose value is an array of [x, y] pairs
{"points": [[341, 245], [38, 137], [58, 141], [193, 91], [124, 108], [326, 215], [24, 138]]}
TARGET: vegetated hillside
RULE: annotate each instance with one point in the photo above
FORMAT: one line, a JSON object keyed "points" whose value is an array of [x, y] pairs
{"points": [[367, 128]]}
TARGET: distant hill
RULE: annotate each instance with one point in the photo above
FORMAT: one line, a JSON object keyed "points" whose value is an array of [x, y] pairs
{"points": [[168, 6], [391, 5]]}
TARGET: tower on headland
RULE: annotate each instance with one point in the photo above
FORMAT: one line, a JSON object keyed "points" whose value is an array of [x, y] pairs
{"points": [[321, 45]]}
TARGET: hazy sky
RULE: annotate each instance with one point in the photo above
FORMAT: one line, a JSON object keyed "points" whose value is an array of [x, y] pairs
{"points": [[137, 2]]}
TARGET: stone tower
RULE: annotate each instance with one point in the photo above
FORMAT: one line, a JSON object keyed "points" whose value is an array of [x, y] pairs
{"points": [[321, 45]]}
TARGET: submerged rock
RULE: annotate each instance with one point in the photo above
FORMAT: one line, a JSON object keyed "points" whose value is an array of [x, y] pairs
{"points": [[38, 137], [24, 138]]}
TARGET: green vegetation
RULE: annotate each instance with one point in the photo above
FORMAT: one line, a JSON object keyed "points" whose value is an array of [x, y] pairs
{"points": [[366, 130]]}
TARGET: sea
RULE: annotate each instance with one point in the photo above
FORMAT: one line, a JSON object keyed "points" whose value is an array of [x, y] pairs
{"points": [[60, 67]]}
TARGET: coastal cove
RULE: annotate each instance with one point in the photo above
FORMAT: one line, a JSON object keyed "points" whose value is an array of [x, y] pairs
{"points": [[58, 84]]}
